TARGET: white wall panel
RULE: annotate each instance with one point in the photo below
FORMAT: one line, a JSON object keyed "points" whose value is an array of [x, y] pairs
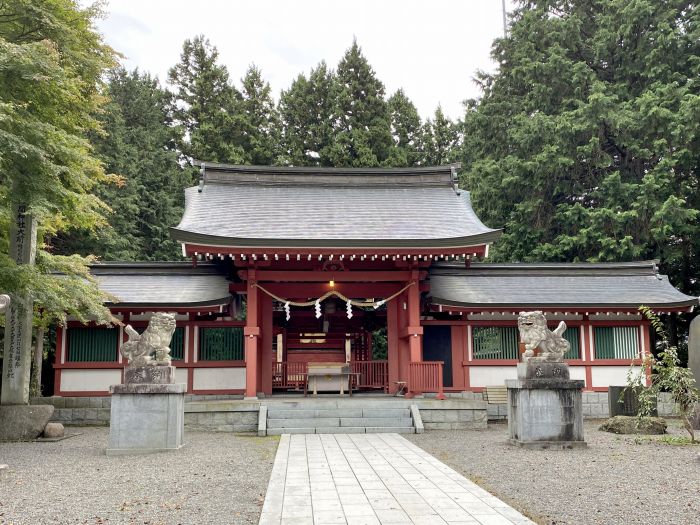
{"points": [[491, 375], [218, 378], [87, 380]]}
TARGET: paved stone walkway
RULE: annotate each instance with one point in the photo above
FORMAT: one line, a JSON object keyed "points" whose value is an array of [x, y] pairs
{"points": [[371, 479]]}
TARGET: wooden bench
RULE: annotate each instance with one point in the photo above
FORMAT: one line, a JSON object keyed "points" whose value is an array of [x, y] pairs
{"points": [[496, 395]]}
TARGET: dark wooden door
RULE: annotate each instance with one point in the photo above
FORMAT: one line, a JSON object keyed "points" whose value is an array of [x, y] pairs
{"points": [[437, 346]]}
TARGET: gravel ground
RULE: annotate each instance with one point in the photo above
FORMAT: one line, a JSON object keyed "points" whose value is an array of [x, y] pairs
{"points": [[616, 480], [216, 479]]}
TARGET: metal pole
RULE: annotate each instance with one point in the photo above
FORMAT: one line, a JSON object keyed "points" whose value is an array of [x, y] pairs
{"points": [[505, 25]]}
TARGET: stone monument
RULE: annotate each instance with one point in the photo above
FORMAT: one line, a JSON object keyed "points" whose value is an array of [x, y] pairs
{"points": [[148, 410], [544, 404], [16, 364], [694, 360]]}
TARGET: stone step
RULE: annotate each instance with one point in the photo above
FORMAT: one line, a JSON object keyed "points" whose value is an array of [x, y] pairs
{"points": [[277, 413], [314, 422], [376, 422], [341, 430], [385, 412], [286, 413], [339, 422]]}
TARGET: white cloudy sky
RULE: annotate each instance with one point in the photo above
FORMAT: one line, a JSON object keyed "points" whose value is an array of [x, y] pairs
{"points": [[431, 48]]}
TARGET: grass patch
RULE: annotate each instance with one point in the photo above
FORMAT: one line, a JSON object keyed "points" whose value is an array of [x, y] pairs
{"points": [[679, 441]]}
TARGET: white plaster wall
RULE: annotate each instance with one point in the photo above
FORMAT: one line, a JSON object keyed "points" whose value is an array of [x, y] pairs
{"points": [[218, 378], [610, 375], [181, 375], [577, 372], [491, 375], [89, 380]]}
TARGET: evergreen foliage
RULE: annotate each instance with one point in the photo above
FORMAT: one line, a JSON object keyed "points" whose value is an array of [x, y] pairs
{"points": [[405, 130], [259, 120], [206, 105], [361, 117], [306, 112], [586, 143], [441, 138], [139, 146]]}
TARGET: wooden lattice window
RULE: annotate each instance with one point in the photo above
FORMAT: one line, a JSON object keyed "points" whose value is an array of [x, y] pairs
{"points": [[92, 345], [177, 344], [571, 334], [616, 342], [495, 342], [221, 344]]}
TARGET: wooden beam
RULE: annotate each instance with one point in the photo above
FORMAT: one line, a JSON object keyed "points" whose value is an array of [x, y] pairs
{"points": [[338, 276], [352, 290]]}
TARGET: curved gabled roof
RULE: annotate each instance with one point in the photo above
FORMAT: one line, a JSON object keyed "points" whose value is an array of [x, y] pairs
{"points": [[330, 207], [604, 285]]}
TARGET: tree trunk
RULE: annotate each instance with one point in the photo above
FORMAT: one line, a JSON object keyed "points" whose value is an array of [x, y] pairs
{"points": [[38, 360]]}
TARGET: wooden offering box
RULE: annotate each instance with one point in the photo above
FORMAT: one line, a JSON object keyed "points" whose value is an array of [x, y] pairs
{"points": [[329, 377]]}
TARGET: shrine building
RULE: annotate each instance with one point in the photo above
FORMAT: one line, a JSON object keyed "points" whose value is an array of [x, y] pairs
{"points": [[380, 269]]}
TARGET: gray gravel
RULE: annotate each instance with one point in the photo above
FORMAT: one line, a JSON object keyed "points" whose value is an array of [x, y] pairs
{"points": [[616, 480], [216, 479]]}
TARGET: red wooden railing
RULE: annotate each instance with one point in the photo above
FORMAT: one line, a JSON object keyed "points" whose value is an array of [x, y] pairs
{"points": [[289, 375], [372, 374], [425, 376]]}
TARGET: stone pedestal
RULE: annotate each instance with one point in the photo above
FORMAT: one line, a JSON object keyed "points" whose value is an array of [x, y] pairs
{"points": [[148, 416], [544, 407]]}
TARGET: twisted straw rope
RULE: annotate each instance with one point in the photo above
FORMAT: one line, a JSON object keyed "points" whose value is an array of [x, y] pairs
{"points": [[374, 304]]}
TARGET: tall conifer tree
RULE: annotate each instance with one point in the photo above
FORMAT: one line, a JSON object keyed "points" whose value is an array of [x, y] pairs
{"points": [[306, 112], [441, 138], [405, 130], [361, 120], [257, 114], [206, 105]]}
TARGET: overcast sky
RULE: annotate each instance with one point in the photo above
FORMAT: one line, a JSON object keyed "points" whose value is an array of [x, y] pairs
{"points": [[431, 48]]}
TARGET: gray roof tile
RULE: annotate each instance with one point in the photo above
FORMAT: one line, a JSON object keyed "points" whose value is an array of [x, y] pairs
{"points": [[313, 207], [169, 284], [548, 285]]}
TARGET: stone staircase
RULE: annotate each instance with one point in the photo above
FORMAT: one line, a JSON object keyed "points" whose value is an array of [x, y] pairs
{"points": [[339, 416]]}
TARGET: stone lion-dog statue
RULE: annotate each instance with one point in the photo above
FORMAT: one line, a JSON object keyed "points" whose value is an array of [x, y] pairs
{"points": [[535, 334], [152, 347]]}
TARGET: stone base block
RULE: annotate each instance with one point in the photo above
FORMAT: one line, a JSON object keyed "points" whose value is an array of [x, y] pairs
{"points": [[147, 420], [551, 445], [23, 422], [543, 413]]}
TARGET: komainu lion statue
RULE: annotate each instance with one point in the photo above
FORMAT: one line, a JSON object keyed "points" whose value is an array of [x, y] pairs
{"points": [[535, 334], [152, 347]]}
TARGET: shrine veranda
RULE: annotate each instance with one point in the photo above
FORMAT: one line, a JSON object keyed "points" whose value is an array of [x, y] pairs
{"points": [[381, 248]]}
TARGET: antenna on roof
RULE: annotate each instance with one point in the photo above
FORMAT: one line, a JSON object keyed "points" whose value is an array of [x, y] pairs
{"points": [[202, 169]]}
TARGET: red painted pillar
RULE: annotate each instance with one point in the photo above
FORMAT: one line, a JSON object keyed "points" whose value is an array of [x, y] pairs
{"points": [[251, 333], [459, 355], [414, 329], [402, 323], [392, 341], [266, 344]]}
